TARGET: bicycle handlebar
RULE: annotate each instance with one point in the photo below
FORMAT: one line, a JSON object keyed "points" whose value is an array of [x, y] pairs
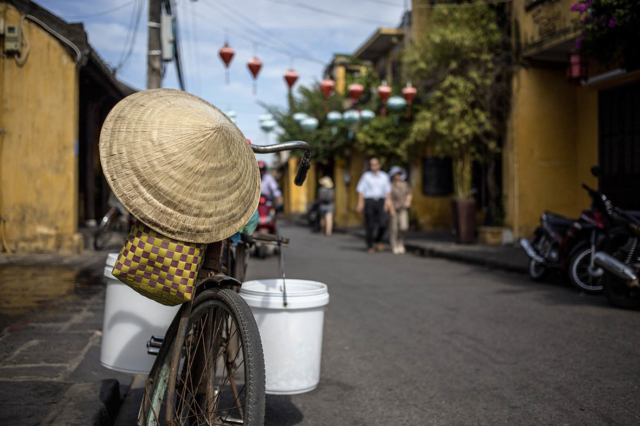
{"points": [[289, 146]]}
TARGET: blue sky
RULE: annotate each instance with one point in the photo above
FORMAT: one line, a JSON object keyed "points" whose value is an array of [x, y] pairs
{"points": [[294, 29]]}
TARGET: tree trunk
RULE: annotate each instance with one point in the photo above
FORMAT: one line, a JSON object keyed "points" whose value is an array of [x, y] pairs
{"points": [[462, 176]]}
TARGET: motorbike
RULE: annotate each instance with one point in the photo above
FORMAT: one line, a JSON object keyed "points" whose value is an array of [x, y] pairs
{"points": [[266, 225], [620, 260], [571, 244], [116, 219]]}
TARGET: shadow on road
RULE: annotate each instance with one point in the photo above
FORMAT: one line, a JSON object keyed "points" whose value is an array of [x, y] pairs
{"points": [[280, 411]]}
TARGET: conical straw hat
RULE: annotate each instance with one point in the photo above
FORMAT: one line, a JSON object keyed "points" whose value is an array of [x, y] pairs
{"points": [[179, 165]]}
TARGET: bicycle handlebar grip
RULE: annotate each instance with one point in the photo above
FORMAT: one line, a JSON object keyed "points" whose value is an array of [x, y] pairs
{"points": [[302, 170]]}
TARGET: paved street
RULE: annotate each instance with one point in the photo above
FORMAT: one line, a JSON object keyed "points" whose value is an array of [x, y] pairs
{"points": [[415, 341], [408, 340]]}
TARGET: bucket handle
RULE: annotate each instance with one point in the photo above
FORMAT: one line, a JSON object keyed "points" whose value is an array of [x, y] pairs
{"points": [[281, 266]]}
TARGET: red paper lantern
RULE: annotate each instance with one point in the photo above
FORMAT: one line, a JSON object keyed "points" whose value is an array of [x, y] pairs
{"points": [[327, 87], [226, 54], [254, 65], [291, 77], [355, 90], [409, 93], [578, 67], [384, 92]]}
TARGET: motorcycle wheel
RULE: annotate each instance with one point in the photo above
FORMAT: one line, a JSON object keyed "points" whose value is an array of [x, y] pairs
{"points": [[618, 293], [579, 273], [537, 271]]}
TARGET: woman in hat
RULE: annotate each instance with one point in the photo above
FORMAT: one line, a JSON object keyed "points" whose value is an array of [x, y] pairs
{"points": [[326, 196], [401, 199]]}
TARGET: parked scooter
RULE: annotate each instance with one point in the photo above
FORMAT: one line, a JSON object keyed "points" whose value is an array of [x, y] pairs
{"points": [[570, 245], [620, 259], [266, 225]]}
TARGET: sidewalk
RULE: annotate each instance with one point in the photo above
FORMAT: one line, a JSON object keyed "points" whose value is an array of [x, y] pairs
{"points": [[442, 244], [51, 313]]}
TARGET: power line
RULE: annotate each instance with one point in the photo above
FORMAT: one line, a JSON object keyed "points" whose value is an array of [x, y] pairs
{"points": [[257, 39], [327, 12], [125, 56], [189, 28], [195, 25], [169, 6], [104, 12], [287, 45]]}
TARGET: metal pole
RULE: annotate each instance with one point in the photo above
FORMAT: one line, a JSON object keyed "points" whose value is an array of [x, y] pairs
{"points": [[154, 54]]}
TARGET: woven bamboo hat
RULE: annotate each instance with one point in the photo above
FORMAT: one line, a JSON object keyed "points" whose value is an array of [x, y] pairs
{"points": [[179, 165]]}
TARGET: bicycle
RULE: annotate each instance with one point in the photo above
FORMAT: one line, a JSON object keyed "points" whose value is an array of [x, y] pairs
{"points": [[210, 366]]}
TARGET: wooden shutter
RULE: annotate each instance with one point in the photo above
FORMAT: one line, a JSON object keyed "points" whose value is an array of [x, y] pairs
{"points": [[619, 144]]}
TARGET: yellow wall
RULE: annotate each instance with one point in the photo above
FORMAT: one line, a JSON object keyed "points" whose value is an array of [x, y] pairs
{"points": [[346, 196], [552, 144], [544, 26], [38, 163], [296, 198], [432, 213]]}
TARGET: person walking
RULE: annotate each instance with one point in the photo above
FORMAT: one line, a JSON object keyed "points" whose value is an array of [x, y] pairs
{"points": [[401, 199], [326, 197], [374, 200]]}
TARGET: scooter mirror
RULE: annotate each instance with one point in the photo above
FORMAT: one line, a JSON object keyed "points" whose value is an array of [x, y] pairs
{"points": [[595, 170]]}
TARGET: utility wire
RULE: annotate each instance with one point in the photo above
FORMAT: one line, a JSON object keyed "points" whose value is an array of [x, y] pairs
{"points": [[125, 56], [327, 12], [189, 40], [195, 26], [257, 39], [287, 45], [169, 6], [104, 12]]}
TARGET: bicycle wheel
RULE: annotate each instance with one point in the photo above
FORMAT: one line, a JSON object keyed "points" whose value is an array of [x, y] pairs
{"points": [[217, 377]]}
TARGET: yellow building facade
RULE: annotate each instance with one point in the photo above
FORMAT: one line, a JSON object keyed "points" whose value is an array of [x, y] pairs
{"points": [[40, 144], [553, 134]]}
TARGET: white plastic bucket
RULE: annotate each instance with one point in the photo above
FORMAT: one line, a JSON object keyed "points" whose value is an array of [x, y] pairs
{"points": [[291, 336], [130, 320]]}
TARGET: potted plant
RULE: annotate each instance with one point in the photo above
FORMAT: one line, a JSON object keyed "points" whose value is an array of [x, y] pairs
{"points": [[609, 32], [459, 57]]}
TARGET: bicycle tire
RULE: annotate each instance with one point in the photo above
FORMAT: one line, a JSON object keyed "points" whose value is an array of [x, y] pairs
{"points": [[155, 398]]}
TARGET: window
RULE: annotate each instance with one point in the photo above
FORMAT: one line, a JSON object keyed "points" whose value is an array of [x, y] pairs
{"points": [[619, 144]]}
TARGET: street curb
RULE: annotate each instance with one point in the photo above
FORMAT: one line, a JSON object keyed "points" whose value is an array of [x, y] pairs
{"points": [[87, 404], [426, 251], [432, 252]]}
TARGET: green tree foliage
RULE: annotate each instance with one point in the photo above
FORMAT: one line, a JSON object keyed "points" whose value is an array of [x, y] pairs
{"points": [[610, 31], [385, 138], [462, 57], [311, 101], [381, 137]]}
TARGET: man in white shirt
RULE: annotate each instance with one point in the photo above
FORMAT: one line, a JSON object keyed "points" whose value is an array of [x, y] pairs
{"points": [[374, 199]]}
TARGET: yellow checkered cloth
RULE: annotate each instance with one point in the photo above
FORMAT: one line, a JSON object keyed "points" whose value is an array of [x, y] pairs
{"points": [[159, 267]]}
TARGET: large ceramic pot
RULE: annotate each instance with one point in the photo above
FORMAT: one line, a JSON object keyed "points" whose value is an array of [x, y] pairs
{"points": [[464, 220]]}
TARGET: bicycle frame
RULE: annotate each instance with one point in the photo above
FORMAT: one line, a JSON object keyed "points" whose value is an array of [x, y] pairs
{"points": [[230, 278]]}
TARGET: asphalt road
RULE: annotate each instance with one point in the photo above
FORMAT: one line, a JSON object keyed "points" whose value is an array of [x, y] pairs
{"points": [[417, 341]]}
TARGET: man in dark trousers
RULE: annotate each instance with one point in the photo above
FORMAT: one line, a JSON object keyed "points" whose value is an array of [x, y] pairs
{"points": [[374, 199]]}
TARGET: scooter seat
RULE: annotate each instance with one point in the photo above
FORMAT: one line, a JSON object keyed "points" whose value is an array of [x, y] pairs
{"points": [[558, 220]]}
